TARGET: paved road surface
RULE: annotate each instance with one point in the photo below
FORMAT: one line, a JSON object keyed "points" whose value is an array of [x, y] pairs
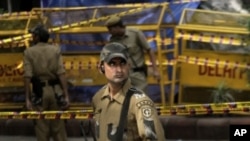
{"points": [[25, 138]]}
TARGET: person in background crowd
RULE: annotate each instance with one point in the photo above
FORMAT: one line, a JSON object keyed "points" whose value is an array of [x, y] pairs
{"points": [[43, 68], [136, 44]]}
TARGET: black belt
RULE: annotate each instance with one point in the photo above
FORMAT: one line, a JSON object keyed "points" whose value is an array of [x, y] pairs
{"points": [[49, 83]]}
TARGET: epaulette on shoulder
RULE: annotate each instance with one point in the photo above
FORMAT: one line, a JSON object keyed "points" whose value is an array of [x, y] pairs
{"points": [[132, 29], [135, 90]]}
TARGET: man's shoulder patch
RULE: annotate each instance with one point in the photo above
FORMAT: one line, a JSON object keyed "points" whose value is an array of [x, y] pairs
{"points": [[147, 112], [142, 103]]}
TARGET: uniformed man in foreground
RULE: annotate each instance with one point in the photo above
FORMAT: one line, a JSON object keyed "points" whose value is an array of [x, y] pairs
{"points": [[140, 122], [137, 46], [43, 68]]}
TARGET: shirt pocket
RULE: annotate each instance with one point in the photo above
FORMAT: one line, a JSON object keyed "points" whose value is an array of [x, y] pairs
{"points": [[132, 49]]}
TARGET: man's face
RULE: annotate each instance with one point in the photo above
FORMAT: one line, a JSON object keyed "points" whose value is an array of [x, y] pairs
{"points": [[117, 70], [116, 30]]}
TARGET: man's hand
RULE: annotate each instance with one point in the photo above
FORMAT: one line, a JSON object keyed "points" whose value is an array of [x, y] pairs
{"points": [[156, 75], [29, 105], [66, 105]]}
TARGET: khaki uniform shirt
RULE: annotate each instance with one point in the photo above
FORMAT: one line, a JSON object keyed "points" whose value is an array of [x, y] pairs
{"points": [[136, 42], [44, 61], [143, 122]]}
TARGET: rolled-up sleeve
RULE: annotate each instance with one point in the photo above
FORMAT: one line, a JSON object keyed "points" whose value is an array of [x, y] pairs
{"points": [[60, 67], [27, 66], [142, 41]]}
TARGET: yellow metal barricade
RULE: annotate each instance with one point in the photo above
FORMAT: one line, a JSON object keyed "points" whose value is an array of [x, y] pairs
{"points": [[81, 67], [206, 58]]}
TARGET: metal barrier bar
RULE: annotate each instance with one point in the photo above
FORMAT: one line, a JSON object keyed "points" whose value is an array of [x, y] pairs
{"points": [[54, 29]]}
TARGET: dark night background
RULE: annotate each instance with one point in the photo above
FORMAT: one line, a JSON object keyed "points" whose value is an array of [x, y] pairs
{"points": [[19, 5]]}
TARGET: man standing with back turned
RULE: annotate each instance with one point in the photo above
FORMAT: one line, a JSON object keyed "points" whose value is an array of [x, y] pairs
{"points": [[43, 68], [122, 112], [137, 45]]}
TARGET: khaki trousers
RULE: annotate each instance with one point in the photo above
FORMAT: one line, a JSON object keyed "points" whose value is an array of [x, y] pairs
{"points": [[46, 128]]}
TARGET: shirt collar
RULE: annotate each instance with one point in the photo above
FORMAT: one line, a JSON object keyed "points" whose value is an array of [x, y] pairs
{"points": [[41, 44], [126, 34], [119, 96]]}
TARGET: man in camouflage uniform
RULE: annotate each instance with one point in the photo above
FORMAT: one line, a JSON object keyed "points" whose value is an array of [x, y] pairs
{"points": [[137, 45], [142, 122], [43, 68]]}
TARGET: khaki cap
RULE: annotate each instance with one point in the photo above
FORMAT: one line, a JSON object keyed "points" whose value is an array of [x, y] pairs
{"points": [[113, 50], [113, 20]]}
